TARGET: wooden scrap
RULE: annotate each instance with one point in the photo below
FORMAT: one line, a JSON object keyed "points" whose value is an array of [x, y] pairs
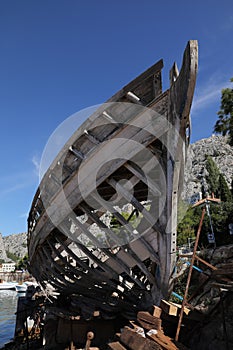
{"points": [[172, 309], [157, 311], [186, 309], [147, 321], [205, 263], [226, 286], [116, 346], [135, 341], [164, 341], [223, 271], [168, 308]]}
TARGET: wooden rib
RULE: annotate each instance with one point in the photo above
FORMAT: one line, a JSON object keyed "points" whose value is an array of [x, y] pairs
{"points": [[152, 186], [97, 274], [88, 276], [81, 285], [139, 263], [125, 267], [104, 266], [53, 272], [91, 138], [131, 199], [89, 254], [79, 261], [156, 68], [122, 220], [76, 152], [77, 284]]}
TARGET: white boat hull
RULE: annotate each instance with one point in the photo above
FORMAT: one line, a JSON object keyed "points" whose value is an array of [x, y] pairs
{"points": [[7, 285]]}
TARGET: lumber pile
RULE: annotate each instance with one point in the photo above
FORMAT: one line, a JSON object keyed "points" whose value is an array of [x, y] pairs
{"points": [[223, 277], [146, 333]]}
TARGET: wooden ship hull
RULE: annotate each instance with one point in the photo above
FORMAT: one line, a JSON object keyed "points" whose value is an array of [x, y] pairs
{"points": [[102, 225]]}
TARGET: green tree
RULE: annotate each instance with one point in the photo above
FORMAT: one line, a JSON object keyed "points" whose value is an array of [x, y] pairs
{"points": [[188, 226], [12, 256], [224, 191], [23, 263], [232, 187], [224, 124], [213, 177]]}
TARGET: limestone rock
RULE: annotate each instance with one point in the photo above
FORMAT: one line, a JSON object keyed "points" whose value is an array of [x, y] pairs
{"points": [[16, 244], [3, 255], [195, 170]]}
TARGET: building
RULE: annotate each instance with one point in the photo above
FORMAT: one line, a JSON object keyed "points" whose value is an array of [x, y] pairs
{"points": [[7, 267]]}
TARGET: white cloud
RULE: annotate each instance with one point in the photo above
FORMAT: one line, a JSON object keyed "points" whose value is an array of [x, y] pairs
{"points": [[13, 188], [36, 163], [23, 216], [209, 93]]}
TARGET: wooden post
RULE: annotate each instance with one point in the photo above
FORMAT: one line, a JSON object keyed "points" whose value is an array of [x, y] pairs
{"points": [[189, 275], [90, 336]]}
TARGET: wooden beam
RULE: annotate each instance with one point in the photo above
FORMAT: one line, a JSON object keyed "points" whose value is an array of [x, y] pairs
{"points": [[135, 341], [156, 68], [148, 322], [150, 183], [164, 341], [116, 346], [205, 262], [131, 199]]}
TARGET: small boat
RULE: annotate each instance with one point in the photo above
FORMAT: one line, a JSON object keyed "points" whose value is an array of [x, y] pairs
{"points": [[21, 288], [7, 285]]}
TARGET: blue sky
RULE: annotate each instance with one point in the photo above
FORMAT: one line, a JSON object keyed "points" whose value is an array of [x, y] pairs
{"points": [[60, 56]]}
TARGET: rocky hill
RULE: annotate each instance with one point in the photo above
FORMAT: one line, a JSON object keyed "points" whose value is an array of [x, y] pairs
{"points": [[196, 172], [15, 244], [3, 255]]}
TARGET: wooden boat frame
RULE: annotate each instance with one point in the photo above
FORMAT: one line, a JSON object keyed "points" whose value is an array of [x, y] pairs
{"points": [[139, 136]]}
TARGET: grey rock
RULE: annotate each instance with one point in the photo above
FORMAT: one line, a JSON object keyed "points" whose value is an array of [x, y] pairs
{"points": [[3, 255], [195, 169], [16, 244]]}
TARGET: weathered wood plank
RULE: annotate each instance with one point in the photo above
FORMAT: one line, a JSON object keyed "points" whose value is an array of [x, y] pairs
{"points": [[135, 341], [148, 321], [116, 346], [164, 341]]}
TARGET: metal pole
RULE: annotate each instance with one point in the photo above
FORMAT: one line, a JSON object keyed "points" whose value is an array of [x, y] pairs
{"points": [[189, 275]]}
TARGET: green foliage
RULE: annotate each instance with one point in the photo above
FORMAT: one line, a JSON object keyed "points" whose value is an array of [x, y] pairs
{"points": [[128, 217], [224, 124], [133, 218], [224, 191], [216, 181], [186, 228], [213, 177], [232, 188], [12, 256], [23, 263], [179, 287], [221, 214]]}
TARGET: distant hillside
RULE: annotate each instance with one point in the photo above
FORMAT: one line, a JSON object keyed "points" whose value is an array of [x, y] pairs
{"points": [[3, 255], [16, 244], [195, 170]]}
